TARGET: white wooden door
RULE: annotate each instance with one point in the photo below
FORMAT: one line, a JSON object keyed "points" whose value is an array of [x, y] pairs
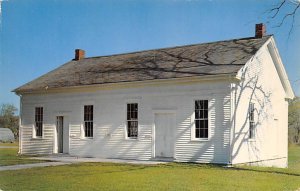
{"points": [[66, 135], [164, 135], [62, 134], [59, 133]]}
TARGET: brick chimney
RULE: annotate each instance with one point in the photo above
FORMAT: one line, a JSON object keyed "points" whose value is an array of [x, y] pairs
{"points": [[260, 30], [79, 54]]}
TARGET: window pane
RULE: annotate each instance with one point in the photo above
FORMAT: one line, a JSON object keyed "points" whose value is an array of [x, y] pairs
{"points": [[205, 114], [206, 104], [197, 124], [132, 128], [202, 133], [128, 128], [39, 121], [197, 133], [197, 105], [92, 129], [129, 107], [85, 128], [88, 120], [132, 111], [128, 115], [201, 118], [92, 113], [132, 120], [135, 107], [201, 104], [197, 114], [201, 124], [131, 115], [205, 133], [206, 124], [251, 130], [251, 120]]}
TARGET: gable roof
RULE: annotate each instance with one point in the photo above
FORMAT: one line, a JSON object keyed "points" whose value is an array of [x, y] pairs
{"points": [[207, 59]]}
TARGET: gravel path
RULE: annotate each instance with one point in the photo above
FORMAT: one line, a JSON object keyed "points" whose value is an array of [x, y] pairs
{"points": [[66, 160], [73, 159]]}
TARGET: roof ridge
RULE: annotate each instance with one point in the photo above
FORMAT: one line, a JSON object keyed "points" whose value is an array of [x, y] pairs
{"points": [[172, 47]]}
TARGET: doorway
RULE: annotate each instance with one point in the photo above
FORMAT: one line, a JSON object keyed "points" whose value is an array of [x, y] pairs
{"points": [[164, 135], [61, 135]]}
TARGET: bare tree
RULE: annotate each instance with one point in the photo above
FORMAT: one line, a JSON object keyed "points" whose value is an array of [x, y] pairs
{"points": [[293, 6]]}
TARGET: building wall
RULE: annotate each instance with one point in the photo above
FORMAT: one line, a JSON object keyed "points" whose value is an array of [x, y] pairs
{"points": [[110, 119], [260, 85]]}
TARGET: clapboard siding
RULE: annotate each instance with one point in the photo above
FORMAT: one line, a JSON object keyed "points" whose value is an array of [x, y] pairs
{"points": [[110, 121], [216, 149], [262, 86]]}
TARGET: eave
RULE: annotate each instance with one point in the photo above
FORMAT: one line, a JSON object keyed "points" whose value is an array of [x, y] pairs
{"points": [[136, 84], [280, 68]]}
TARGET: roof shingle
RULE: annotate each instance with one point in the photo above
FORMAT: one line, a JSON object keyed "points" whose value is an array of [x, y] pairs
{"points": [[223, 57]]}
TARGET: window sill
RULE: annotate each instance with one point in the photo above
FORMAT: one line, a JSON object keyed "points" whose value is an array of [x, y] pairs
{"points": [[86, 138], [131, 139], [200, 140], [37, 138]]}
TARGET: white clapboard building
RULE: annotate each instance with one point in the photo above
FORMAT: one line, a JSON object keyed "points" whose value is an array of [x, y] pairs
{"points": [[222, 102]]}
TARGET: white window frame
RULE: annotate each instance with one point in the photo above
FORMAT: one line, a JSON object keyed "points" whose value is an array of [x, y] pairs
{"points": [[137, 120], [193, 124], [34, 129], [82, 132], [128, 100], [88, 121]]}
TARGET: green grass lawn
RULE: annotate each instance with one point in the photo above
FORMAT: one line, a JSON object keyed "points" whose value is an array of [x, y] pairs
{"points": [[173, 176], [9, 156], [294, 157]]}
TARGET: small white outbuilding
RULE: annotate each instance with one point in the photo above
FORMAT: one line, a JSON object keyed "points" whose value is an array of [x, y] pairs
{"points": [[6, 135]]}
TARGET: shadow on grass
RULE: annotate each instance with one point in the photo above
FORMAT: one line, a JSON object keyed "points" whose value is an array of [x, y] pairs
{"points": [[224, 167], [131, 168], [266, 171]]}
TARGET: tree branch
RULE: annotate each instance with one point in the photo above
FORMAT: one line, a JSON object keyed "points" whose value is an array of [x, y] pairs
{"points": [[277, 9], [288, 15]]}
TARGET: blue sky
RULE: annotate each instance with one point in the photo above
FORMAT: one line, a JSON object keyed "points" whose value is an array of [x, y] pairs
{"points": [[38, 36]]}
